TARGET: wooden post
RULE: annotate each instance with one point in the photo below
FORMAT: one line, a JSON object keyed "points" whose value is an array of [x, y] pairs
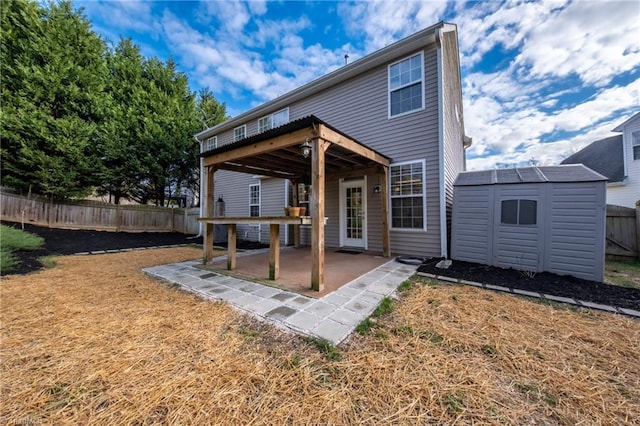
{"points": [[384, 193], [208, 229], [317, 208], [274, 251], [231, 246]]}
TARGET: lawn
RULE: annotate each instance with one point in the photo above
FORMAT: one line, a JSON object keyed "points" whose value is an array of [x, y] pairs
{"points": [[94, 341], [623, 273], [11, 240]]}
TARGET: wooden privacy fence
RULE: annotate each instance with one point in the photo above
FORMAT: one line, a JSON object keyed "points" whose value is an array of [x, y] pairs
{"points": [[623, 232], [96, 215]]}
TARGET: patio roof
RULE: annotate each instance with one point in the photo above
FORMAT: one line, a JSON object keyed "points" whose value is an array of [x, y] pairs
{"points": [[277, 153]]}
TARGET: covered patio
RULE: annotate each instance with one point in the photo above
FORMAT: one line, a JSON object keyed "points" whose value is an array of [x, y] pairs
{"points": [[340, 268], [304, 149]]}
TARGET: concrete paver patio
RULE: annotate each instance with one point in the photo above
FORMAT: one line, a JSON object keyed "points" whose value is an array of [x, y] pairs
{"points": [[331, 317]]}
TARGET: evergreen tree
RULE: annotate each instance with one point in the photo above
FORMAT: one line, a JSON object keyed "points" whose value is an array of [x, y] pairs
{"points": [[52, 98]]}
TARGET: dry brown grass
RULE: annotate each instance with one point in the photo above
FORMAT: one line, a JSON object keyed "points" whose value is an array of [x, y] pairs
{"points": [[94, 341]]}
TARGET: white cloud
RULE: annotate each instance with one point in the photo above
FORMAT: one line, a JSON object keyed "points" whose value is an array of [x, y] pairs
{"points": [[595, 40], [384, 22]]}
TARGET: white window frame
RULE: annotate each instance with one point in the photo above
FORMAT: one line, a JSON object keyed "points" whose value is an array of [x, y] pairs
{"points": [[252, 201], [635, 145], [210, 143], [423, 162], [274, 120], [239, 133], [391, 90]]}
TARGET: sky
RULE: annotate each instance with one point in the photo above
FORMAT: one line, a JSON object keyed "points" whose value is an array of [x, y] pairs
{"points": [[541, 79]]}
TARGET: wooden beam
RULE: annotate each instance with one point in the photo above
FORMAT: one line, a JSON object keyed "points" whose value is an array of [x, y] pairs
{"points": [[274, 251], [354, 173], [384, 193], [231, 246], [319, 146], [294, 138], [208, 228], [336, 138], [255, 171]]}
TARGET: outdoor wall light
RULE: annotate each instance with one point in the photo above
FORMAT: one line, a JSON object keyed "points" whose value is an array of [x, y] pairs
{"points": [[306, 149], [377, 189]]}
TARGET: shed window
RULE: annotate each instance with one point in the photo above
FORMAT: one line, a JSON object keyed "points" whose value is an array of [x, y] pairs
{"points": [[405, 86], [519, 212], [407, 192], [635, 143]]}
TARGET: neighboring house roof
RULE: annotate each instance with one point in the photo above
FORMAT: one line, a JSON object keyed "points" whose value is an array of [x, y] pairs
{"points": [[620, 127], [605, 156], [565, 173], [385, 55]]}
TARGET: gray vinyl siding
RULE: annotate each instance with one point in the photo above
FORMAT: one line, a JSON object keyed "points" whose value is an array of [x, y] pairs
{"points": [[233, 187], [359, 108], [473, 219], [272, 193], [575, 238], [453, 124]]}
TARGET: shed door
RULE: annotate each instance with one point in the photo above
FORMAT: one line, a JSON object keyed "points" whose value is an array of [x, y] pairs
{"points": [[518, 227]]}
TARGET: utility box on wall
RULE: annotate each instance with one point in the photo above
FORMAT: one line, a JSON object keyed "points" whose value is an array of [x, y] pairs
{"points": [[533, 219]]}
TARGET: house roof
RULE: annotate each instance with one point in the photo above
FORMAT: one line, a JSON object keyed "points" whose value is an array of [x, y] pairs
{"points": [[620, 127], [385, 55], [605, 156], [564, 173], [277, 152]]}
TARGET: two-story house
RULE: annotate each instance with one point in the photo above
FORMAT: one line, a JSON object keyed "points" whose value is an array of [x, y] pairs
{"points": [[618, 158], [373, 147]]}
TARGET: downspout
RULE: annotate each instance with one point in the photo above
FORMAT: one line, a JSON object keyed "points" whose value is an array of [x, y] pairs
{"points": [[443, 200]]}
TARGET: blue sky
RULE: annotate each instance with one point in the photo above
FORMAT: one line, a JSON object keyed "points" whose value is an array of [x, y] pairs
{"points": [[541, 79]]}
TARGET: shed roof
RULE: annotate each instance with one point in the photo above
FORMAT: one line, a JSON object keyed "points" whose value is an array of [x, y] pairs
{"points": [[562, 173], [605, 156]]}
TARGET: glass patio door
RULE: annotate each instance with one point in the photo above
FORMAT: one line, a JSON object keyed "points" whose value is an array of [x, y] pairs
{"points": [[353, 214]]}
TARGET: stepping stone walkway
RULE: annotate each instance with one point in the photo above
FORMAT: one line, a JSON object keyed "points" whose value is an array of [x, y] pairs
{"points": [[332, 317]]}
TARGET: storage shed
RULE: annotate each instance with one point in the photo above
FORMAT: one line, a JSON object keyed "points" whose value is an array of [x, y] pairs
{"points": [[533, 219]]}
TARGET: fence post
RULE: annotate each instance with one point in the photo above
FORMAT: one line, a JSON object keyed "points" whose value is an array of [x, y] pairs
{"points": [[118, 217], [50, 211]]}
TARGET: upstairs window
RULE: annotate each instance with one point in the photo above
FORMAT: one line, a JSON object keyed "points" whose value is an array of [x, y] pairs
{"points": [[239, 133], [407, 184], [274, 120], [406, 82], [211, 143], [519, 212], [254, 200], [635, 144]]}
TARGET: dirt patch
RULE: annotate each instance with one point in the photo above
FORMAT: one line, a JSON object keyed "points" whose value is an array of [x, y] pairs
{"points": [[68, 241], [545, 282]]}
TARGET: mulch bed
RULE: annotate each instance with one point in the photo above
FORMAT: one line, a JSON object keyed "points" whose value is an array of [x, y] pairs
{"points": [[69, 241], [545, 282]]}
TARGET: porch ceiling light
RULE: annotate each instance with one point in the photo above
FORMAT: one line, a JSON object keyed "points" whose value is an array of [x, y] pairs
{"points": [[306, 148]]}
